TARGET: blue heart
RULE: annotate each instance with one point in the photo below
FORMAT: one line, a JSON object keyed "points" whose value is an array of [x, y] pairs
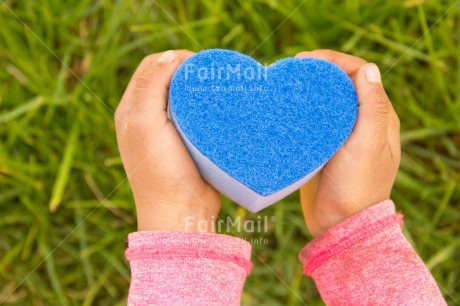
{"points": [[258, 133]]}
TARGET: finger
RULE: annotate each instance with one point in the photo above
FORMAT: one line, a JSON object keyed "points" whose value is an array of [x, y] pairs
{"points": [[350, 64], [308, 197], [147, 92], [308, 192], [394, 125], [373, 104], [394, 136]]}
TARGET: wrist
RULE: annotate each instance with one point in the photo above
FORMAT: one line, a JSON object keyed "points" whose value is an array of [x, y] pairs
{"points": [[175, 217], [321, 218], [319, 225]]}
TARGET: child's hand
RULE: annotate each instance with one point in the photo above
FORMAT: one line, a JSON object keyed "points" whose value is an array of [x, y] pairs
{"points": [[363, 171], [166, 184]]}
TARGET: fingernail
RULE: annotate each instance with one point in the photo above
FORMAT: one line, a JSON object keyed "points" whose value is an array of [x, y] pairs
{"points": [[372, 73], [167, 57]]}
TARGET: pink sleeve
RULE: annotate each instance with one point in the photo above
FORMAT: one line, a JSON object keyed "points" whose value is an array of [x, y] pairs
{"points": [[366, 260], [185, 268]]}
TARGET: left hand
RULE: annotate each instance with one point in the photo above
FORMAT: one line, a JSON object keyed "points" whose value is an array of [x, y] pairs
{"points": [[168, 190]]}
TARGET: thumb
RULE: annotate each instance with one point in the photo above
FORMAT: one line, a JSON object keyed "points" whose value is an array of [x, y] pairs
{"points": [[373, 103], [143, 106]]}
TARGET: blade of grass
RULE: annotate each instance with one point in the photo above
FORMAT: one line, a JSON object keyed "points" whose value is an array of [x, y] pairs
{"points": [[443, 254], [65, 167], [94, 289], [22, 109], [82, 241], [51, 267]]}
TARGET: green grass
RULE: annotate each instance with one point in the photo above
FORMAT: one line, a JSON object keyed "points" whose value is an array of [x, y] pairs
{"points": [[65, 205]]}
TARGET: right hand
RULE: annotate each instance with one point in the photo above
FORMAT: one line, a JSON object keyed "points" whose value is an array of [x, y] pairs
{"points": [[363, 171]]}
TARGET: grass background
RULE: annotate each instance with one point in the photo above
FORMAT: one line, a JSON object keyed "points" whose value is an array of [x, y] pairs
{"points": [[65, 64]]}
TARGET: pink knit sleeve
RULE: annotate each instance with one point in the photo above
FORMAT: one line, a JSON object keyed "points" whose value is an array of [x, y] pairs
{"points": [[185, 268], [366, 260]]}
